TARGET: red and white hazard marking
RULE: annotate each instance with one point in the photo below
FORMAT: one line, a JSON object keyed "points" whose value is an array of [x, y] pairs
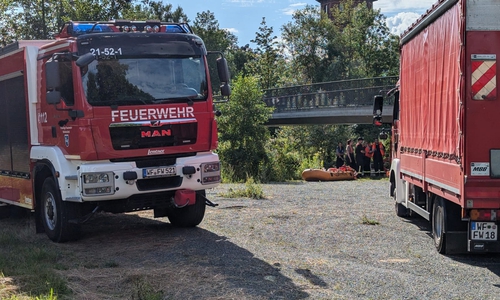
{"points": [[484, 79]]}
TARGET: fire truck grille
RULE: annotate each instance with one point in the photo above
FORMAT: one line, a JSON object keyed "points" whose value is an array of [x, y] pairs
{"points": [[138, 136], [159, 160], [139, 202]]}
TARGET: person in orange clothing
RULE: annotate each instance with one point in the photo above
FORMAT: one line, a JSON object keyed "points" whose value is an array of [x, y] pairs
{"points": [[378, 158], [368, 160]]}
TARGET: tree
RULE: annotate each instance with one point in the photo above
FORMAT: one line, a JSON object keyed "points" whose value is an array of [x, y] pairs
{"points": [[267, 60], [239, 58], [356, 44], [207, 28], [42, 19], [242, 134], [155, 10], [368, 49], [316, 141], [312, 44]]}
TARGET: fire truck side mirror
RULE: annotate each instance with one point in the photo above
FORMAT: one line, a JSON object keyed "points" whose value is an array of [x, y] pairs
{"points": [[85, 60], [225, 89], [223, 69], [52, 82], [378, 104], [52, 78], [53, 97]]}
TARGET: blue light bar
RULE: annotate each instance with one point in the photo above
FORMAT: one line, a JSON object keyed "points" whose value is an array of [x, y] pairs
{"points": [[175, 29], [74, 29], [78, 29]]}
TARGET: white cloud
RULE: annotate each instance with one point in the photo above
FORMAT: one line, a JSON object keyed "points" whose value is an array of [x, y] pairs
{"points": [[389, 7], [232, 30], [400, 22], [245, 3], [288, 11], [298, 4], [292, 8]]}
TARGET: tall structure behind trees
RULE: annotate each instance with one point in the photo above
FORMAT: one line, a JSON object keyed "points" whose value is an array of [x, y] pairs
{"points": [[327, 5]]}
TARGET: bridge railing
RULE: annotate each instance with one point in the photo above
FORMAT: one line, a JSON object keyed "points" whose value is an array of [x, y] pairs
{"points": [[345, 93]]}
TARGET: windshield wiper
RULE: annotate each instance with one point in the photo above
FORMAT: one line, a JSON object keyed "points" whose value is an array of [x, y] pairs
{"points": [[177, 99], [135, 99]]}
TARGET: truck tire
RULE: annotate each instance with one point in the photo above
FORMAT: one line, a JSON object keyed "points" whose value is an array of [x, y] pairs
{"points": [[438, 225], [189, 216], [401, 210], [56, 214]]}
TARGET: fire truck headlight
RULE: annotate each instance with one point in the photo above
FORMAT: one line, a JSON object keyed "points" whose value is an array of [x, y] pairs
{"points": [[98, 184], [96, 177]]}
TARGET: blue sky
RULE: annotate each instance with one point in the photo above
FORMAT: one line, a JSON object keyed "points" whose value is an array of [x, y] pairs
{"points": [[243, 17]]}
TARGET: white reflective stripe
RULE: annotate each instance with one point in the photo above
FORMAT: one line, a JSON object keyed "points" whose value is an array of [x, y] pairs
{"points": [[488, 88], [479, 74], [483, 68]]}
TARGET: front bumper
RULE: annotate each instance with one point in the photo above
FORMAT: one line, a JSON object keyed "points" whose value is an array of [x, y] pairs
{"points": [[198, 172]]}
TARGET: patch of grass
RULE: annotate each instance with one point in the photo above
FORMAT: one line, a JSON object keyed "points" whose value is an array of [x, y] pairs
{"points": [[50, 296], [28, 266], [144, 291], [111, 264], [365, 220], [251, 190], [91, 265]]}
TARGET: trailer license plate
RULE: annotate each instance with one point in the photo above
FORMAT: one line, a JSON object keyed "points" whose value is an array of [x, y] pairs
{"points": [[159, 172], [483, 231]]}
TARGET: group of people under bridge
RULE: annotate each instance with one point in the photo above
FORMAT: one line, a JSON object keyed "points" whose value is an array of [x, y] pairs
{"points": [[361, 156]]}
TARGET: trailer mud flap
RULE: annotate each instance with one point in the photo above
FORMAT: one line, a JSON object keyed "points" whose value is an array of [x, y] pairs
{"points": [[456, 242]]}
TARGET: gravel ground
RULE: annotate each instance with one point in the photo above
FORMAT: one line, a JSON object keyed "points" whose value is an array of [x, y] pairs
{"points": [[306, 240], [310, 241]]}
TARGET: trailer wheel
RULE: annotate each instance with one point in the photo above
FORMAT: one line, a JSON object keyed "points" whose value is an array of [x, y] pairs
{"points": [[56, 214], [438, 225], [189, 216]]}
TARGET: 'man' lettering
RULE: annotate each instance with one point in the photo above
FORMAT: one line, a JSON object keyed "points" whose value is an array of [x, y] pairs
{"points": [[156, 133]]}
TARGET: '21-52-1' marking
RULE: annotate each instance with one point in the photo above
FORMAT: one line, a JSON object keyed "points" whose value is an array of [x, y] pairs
{"points": [[106, 51]]}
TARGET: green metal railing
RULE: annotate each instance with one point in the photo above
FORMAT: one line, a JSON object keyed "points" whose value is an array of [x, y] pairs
{"points": [[344, 93]]}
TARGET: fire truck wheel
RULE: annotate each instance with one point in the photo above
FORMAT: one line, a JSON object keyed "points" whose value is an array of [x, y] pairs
{"points": [[56, 214], [189, 216], [438, 225]]}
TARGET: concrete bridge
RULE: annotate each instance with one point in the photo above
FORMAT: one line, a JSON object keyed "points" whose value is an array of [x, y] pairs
{"points": [[335, 102]]}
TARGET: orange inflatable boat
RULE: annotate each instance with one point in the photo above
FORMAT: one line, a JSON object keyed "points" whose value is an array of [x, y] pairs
{"points": [[331, 174]]}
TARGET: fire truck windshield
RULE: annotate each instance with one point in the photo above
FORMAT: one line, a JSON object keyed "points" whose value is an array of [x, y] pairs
{"points": [[123, 80]]}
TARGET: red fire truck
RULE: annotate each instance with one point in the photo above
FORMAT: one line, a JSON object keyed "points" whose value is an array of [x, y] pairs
{"points": [[110, 116], [446, 157]]}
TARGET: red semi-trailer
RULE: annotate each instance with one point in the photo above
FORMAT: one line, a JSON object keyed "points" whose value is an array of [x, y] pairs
{"points": [[110, 116], [445, 152]]}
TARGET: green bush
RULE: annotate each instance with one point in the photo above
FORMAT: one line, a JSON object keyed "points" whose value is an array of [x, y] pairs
{"points": [[251, 190]]}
